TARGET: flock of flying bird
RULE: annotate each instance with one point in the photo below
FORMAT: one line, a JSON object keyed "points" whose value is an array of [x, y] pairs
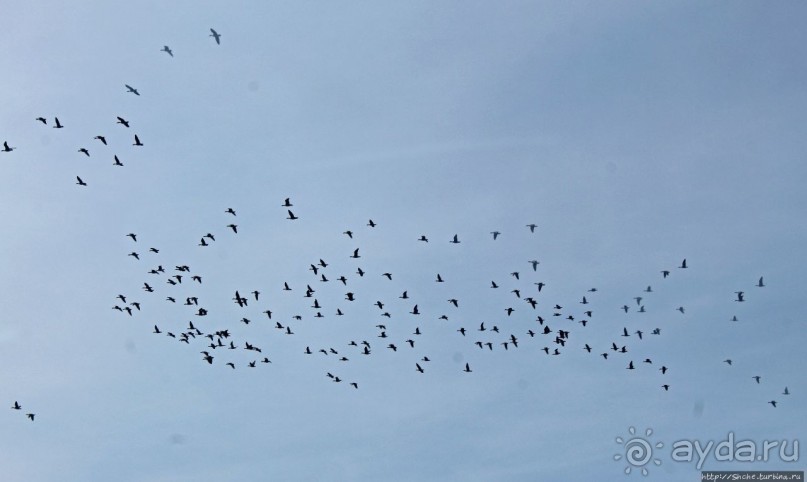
{"points": [[397, 325], [120, 120], [558, 329]]}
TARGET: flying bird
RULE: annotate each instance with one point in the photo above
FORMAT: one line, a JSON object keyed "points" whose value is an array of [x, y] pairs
{"points": [[120, 120], [131, 89], [216, 36], [167, 50], [760, 284], [137, 141], [291, 215], [101, 138], [42, 120], [80, 182], [495, 234], [58, 124], [6, 147], [455, 240]]}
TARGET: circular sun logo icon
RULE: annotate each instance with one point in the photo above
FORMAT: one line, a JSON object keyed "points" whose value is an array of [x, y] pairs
{"points": [[638, 451]]}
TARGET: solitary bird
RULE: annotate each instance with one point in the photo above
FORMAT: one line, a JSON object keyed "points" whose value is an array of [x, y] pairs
{"points": [[495, 234], [532, 227], [455, 240], [6, 147], [167, 50], [131, 89], [80, 182], [216, 36]]}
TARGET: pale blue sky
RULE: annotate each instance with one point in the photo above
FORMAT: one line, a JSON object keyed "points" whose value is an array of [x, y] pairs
{"points": [[634, 134]]}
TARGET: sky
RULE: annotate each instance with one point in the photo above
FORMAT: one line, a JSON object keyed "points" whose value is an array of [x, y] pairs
{"points": [[634, 135]]}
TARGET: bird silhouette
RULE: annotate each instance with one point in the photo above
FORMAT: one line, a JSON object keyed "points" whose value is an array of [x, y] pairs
{"points": [[216, 36], [137, 141], [760, 283], [167, 50], [7, 148], [131, 89], [454, 240], [80, 182], [120, 120]]}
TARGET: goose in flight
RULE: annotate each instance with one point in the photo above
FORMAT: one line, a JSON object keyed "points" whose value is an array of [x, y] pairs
{"points": [[467, 368], [355, 253], [534, 263], [740, 296], [131, 89], [760, 283], [32, 415], [287, 203], [101, 138], [291, 217], [84, 151], [230, 211], [216, 36], [42, 120], [137, 141], [58, 124], [772, 402], [371, 224], [423, 238], [6, 147], [495, 234], [455, 240], [683, 264], [80, 182], [16, 406], [120, 121], [167, 50]]}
